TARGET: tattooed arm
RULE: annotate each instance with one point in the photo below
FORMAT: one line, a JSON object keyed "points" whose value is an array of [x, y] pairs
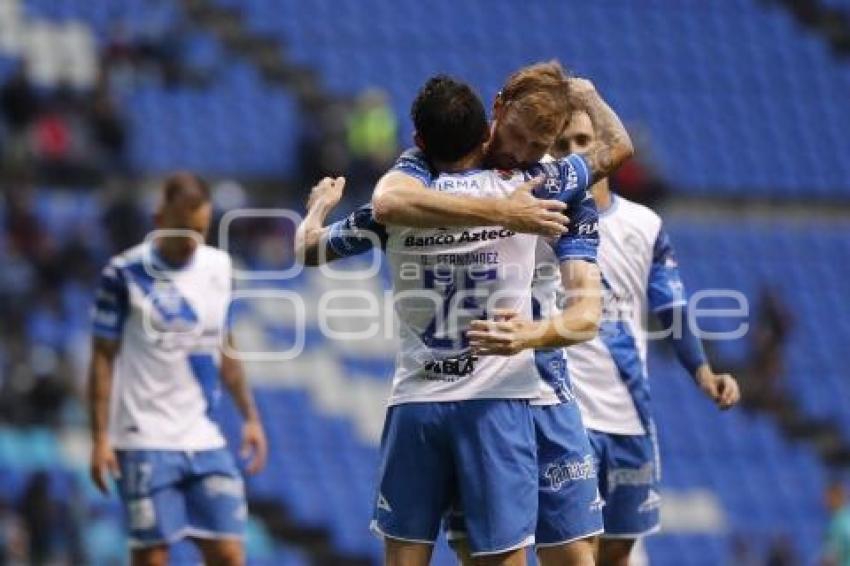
{"points": [[612, 146]]}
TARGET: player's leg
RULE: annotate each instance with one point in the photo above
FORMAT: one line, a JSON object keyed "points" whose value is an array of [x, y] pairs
{"points": [[216, 506], [570, 508], [454, 526], [576, 553], [416, 478], [403, 553], [154, 505], [496, 468], [149, 556], [227, 552], [632, 503], [615, 552], [460, 547], [511, 558]]}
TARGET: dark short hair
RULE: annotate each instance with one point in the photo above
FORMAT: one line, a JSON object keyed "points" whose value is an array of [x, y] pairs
{"points": [[185, 189], [449, 118]]}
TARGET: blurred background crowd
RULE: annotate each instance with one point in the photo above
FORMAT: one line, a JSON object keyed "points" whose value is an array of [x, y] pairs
{"points": [[739, 108]]}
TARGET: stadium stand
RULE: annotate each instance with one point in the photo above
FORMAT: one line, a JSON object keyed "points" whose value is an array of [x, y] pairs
{"points": [[724, 94], [721, 90]]}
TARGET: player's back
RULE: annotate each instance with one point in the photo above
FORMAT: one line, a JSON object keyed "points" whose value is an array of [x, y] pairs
{"points": [[170, 324], [443, 279]]}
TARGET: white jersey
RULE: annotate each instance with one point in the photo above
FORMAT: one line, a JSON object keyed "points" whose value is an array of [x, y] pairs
{"points": [[608, 373], [443, 279], [169, 324]]}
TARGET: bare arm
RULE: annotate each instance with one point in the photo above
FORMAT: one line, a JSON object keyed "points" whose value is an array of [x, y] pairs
{"points": [[404, 201], [577, 323], [254, 443], [612, 146], [103, 460], [311, 234]]}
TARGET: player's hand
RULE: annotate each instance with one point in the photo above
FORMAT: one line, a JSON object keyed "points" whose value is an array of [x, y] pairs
{"points": [[526, 214], [326, 192], [581, 90], [254, 446], [505, 335], [104, 462], [720, 388]]}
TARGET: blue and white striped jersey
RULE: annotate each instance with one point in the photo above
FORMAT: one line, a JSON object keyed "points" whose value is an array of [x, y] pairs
{"points": [[170, 325], [609, 372]]}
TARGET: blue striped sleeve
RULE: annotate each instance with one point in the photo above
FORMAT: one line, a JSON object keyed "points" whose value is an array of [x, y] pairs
{"points": [[111, 303], [665, 289], [577, 163], [563, 178], [356, 233], [412, 162], [581, 241]]}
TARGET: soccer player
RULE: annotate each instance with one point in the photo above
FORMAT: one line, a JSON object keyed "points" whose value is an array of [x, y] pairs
{"points": [[567, 480], [159, 317], [609, 372]]}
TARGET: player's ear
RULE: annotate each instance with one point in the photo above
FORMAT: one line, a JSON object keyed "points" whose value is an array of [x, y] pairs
{"points": [[417, 139], [498, 105]]}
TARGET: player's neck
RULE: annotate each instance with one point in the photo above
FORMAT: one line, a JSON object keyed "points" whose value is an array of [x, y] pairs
{"points": [[161, 254], [470, 161], [602, 195]]}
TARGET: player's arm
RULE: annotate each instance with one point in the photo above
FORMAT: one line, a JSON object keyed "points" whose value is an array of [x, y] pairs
{"points": [[612, 146], [402, 198], [668, 301], [509, 334], [580, 276], [254, 445], [311, 234], [355, 234], [109, 314], [103, 459]]}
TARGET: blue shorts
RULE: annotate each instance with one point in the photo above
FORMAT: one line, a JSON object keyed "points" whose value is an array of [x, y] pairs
{"points": [[169, 495], [479, 452], [628, 482], [569, 505]]}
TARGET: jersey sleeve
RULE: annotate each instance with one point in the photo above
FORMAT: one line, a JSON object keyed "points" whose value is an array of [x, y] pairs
{"points": [[230, 315], [356, 233], [111, 304], [563, 177], [581, 240], [665, 288], [412, 162]]}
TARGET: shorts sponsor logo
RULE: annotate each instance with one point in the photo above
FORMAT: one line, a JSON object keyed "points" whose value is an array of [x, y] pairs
{"points": [[383, 503], [142, 514], [598, 503], [653, 502], [561, 473], [223, 485], [645, 475]]}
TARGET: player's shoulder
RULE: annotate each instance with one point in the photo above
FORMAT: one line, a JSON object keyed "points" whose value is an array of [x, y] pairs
{"points": [[213, 257], [130, 256], [636, 214]]}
